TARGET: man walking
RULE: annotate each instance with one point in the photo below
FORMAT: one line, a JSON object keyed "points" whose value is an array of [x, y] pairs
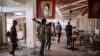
{"points": [[69, 33], [48, 35], [58, 29], [13, 37], [41, 34]]}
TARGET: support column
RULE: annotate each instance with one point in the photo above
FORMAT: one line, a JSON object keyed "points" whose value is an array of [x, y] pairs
{"points": [[29, 24]]}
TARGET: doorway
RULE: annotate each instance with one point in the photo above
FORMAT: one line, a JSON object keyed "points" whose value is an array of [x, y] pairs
{"points": [[20, 17]]}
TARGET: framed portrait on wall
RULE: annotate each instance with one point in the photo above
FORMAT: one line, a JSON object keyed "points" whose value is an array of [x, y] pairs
{"points": [[46, 9], [94, 8]]}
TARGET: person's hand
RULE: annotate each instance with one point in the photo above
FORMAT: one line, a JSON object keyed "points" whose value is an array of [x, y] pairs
{"points": [[34, 19], [17, 39]]}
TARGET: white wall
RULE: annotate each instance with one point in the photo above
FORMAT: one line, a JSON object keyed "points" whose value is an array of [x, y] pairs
{"points": [[86, 23], [59, 18]]}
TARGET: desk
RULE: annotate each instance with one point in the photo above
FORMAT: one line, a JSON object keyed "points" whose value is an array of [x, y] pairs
{"points": [[74, 37], [96, 43]]}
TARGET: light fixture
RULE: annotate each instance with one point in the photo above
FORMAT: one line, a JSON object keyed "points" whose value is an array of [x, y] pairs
{"points": [[18, 13], [70, 11]]}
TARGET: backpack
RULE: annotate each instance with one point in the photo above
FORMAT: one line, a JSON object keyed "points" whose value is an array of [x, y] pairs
{"points": [[58, 28], [8, 34], [41, 31]]}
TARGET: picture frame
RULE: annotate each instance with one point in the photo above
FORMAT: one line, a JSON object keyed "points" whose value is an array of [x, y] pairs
{"points": [[45, 9], [93, 8]]}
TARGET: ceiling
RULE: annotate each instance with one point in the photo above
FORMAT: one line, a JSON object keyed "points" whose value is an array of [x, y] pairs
{"points": [[12, 2], [76, 6]]}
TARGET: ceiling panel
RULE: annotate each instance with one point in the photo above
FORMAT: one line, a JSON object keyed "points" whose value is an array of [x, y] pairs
{"points": [[71, 7], [60, 2], [13, 2], [77, 7]]}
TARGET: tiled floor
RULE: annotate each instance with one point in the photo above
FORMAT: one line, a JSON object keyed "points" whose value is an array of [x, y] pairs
{"points": [[56, 50]]}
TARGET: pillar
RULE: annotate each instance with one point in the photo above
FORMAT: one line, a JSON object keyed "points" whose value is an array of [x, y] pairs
{"points": [[30, 25]]}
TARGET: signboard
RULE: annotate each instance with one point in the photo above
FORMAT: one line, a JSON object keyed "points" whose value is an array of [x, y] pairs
{"points": [[94, 8]]}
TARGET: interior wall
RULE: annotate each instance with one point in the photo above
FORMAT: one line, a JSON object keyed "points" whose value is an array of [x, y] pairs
{"points": [[0, 8], [59, 18], [87, 24], [1, 32], [92, 24], [98, 25], [83, 23]]}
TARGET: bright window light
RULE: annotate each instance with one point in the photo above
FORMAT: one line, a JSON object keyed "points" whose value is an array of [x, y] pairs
{"points": [[18, 13]]}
